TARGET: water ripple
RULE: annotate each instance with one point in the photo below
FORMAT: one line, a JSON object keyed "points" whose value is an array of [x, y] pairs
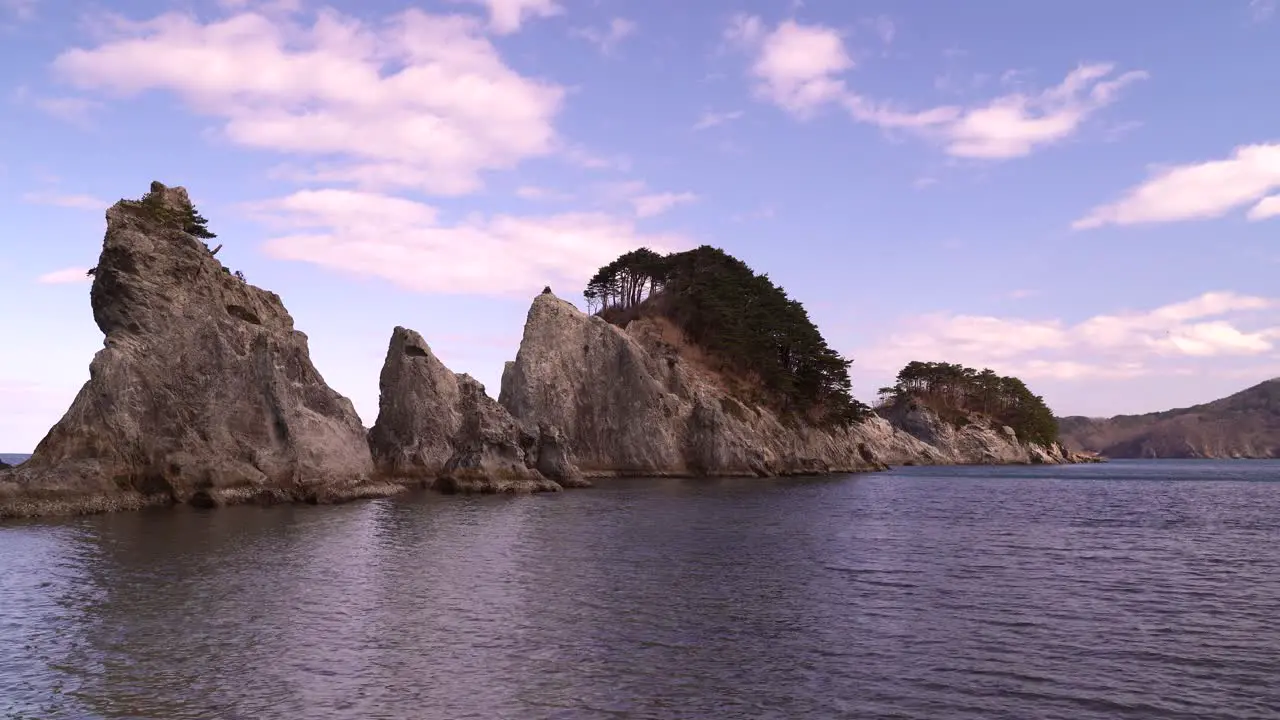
{"points": [[1128, 590]]}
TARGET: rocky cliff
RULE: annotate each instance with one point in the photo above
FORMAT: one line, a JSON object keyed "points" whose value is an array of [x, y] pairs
{"points": [[439, 429], [1243, 425], [203, 392], [641, 401]]}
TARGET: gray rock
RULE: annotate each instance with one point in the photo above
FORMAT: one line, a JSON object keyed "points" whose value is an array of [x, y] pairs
{"points": [[441, 429], [976, 443], [204, 392], [631, 403], [418, 411], [641, 402]]}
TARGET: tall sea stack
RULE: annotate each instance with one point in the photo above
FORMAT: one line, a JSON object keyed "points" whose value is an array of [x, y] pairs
{"points": [[439, 429], [204, 392]]}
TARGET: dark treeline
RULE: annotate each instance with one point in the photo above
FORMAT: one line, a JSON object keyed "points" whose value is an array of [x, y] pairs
{"points": [[740, 318], [955, 391]]}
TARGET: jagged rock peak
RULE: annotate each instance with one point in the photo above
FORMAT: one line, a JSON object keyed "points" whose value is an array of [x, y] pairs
{"points": [[203, 391], [441, 429]]}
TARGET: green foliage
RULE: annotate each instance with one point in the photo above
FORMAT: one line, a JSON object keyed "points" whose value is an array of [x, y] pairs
{"points": [[954, 390], [153, 206], [738, 317]]}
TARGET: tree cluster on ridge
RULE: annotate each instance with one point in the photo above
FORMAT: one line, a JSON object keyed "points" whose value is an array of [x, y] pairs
{"points": [[956, 391], [740, 318]]}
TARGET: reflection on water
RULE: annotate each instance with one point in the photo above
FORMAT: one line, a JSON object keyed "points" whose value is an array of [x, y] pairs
{"points": [[1079, 592]]}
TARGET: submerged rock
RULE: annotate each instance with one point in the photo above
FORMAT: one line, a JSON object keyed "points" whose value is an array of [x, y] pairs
{"points": [[204, 392], [441, 429]]}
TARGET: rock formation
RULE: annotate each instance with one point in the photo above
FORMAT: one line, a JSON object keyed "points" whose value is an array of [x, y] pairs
{"points": [[203, 392], [440, 429], [639, 401], [976, 443]]}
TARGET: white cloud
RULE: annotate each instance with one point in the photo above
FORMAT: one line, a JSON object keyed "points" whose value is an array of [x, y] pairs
{"points": [[608, 38], [418, 100], [70, 109], [267, 6], [592, 161], [1198, 190], [1262, 10], [711, 119], [643, 202], [534, 192], [658, 203], [1267, 207], [373, 235], [75, 110], [800, 68], [81, 202], [506, 16], [65, 276], [1014, 125], [1215, 324], [797, 67]]}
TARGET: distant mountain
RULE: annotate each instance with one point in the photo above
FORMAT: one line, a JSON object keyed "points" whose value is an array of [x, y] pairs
{"points": [[12, 458], [1244, 425]]}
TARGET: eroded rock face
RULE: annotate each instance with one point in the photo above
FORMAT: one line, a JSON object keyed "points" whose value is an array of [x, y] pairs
{"points": [[599, 387], [977, 443], [418, 407], [441, 429], [204, 392], [638, 402], [628, 403]]}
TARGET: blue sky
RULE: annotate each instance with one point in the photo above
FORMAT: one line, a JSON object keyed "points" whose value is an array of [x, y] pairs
{"points": [[1085, 194]]}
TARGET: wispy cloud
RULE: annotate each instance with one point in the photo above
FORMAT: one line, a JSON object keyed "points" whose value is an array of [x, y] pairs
{"points": [[79, 202], [711, 119], [534, 192], [65, 276], [19, 9], [658, 203], [801, 68], [507, 16], [607, 39]]}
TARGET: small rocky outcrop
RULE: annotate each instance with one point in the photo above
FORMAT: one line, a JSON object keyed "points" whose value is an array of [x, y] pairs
{"points": [[204, 392], [975, 443], [640, 402], [440, 429]]}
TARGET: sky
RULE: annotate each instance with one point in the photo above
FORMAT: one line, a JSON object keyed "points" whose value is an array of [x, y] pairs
{"points": [[1084, 194]]}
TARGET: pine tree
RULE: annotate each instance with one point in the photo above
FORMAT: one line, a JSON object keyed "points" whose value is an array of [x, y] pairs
{"points": [[193, 223]]}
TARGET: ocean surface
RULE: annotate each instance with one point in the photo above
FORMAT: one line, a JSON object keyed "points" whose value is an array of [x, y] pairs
{"points": [[1125, 590]]}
